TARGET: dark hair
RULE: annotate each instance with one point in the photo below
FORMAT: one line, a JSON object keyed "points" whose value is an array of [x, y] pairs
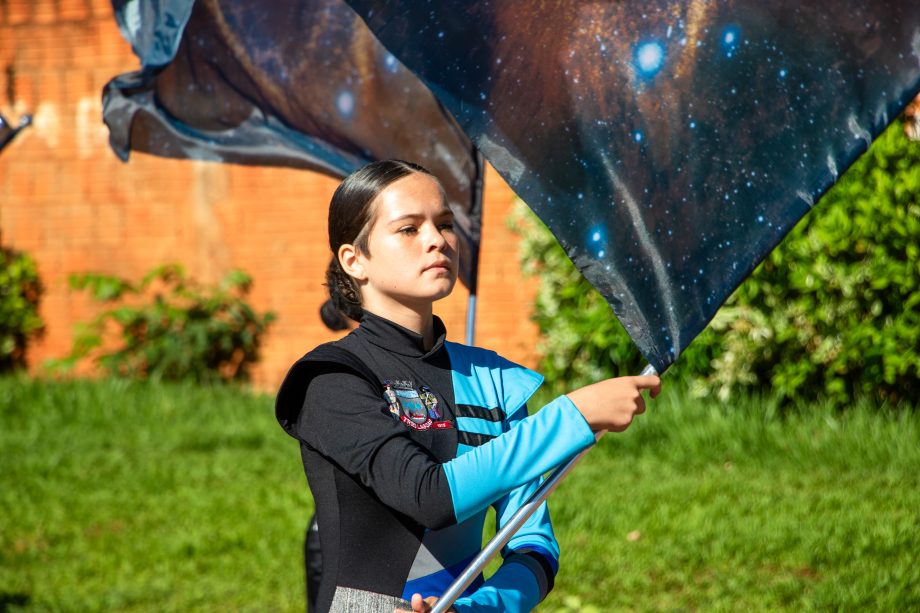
{"points": [[350, 220], [333, 318]]}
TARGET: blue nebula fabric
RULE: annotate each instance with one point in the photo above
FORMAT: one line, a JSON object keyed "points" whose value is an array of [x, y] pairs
{"points": [[302, 84], [668, 145]]}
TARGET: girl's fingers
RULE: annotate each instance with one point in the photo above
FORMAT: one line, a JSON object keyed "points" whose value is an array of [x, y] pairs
{"points": [[648, 382]]}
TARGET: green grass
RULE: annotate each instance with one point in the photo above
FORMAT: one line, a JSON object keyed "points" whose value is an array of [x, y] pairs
{"points": [[731, 508], [120, 496], [132, 497]]}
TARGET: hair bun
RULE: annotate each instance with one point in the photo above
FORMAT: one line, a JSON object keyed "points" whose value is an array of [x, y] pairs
{"points": [[344, 294]]}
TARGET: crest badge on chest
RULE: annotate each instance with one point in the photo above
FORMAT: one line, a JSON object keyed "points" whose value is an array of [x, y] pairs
{"points": [[418, 409]]}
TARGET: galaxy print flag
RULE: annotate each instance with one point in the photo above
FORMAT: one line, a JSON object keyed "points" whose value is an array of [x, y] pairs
{"points": [[669, 145], [299, 83]]}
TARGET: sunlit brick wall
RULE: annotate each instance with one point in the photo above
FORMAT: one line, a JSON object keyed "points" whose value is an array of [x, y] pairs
{"points": [[70, 203]]}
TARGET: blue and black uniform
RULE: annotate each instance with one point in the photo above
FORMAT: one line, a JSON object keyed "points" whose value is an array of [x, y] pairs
{"points": [[405, 449]]}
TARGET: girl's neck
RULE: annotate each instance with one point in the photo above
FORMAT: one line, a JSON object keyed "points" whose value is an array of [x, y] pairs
{"points": [[419, 321]]}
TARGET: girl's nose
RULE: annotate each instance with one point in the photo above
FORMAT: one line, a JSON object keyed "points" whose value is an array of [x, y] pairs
{"points": [[434, 239]]}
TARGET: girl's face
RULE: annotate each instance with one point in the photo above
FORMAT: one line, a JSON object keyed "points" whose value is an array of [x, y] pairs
{"points": [[413, 248]]}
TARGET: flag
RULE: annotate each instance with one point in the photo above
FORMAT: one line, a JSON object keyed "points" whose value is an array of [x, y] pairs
{"points": [[299, 83], [668, 145]]}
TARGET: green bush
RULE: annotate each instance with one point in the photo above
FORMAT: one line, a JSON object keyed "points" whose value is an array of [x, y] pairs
{"points": [[171, 328], [832, 312], [20, 293]]}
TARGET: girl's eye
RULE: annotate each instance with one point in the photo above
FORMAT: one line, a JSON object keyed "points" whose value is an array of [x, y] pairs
{"points": [[446, 226], [408, 230]]}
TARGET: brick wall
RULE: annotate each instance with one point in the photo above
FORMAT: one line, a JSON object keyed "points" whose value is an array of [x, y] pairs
{"points": [[70, 203]]}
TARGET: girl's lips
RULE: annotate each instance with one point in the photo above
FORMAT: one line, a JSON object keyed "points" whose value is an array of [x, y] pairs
{"points": [[445, 266]]}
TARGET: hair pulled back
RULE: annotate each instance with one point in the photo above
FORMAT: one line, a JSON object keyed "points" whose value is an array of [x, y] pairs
{"points": [[351, 216]]}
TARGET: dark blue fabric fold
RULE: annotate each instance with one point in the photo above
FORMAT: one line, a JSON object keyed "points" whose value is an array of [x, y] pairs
{"points": [[299, 83]]}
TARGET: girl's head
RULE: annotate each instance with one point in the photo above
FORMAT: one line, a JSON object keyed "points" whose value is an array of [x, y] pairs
{"points": [[391, 235]]}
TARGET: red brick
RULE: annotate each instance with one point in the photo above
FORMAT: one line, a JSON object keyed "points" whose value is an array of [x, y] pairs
{"points": [[44, 11], [24, 89], [50, 88], [21, 182], [58, 45], [24, 233], [73, 10], [111, 44], [7, 47], [102, 9], [49, 187], [5, 191], [19, 11], [28, 55], [77, 84], [85, 48]]}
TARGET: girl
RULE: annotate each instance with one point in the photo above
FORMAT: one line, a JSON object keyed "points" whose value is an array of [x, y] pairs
{"points": [[406, 438]]}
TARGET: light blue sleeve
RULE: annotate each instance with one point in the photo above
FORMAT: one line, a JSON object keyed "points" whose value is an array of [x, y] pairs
{"points": [[538, 444]]}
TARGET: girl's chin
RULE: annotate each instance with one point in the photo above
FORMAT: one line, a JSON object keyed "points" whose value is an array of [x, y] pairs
{"points": [[438, 293], [448, 287], [422, 299]]}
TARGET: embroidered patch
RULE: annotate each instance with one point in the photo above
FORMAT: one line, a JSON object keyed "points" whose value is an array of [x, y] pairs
{"points": [[418, 411]]}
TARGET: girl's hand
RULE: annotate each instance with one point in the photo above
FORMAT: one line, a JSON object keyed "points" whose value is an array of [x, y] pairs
{"points": [[611, 404], [420, 605]]}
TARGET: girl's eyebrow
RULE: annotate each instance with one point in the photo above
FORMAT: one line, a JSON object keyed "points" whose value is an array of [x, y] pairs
{"points": [[414, 216], [407, 216]]}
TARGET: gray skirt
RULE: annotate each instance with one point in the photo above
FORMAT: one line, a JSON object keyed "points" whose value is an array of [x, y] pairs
{"points": [[350, 600]]}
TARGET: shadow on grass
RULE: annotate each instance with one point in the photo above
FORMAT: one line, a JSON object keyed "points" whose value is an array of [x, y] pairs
{"points": [[209, 444], [11, 600]]}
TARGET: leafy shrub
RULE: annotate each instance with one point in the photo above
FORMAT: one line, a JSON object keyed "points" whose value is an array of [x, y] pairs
{"points": [[20, 293], [170, 327], [832, 312]]}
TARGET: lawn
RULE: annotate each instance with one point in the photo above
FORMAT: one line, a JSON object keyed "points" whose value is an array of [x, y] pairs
{"points": [[118, 496]]}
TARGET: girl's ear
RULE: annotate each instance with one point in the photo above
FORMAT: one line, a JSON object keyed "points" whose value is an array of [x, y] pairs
{"points": [[352, 262]]}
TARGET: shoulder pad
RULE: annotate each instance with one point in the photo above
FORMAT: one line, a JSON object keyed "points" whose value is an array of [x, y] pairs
{"points": [[293, 390]]}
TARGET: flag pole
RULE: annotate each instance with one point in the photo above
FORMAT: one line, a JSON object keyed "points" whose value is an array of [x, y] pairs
{"points": [[471, 318], [501, 538]]}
